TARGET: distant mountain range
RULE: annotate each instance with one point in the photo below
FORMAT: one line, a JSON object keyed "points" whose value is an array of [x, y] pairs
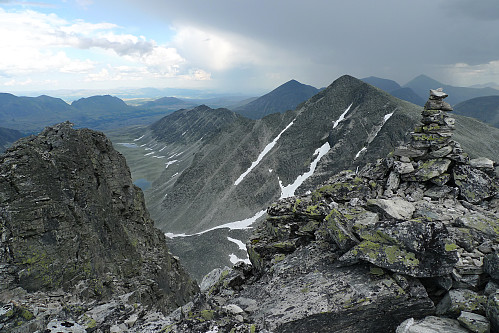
{"points": [[421, 83], [233, 171], [394, 89], [285, 97], [469, 101], [31, 114]]}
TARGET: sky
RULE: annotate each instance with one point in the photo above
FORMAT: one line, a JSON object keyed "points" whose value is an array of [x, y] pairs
{"points": [[243, 46]]}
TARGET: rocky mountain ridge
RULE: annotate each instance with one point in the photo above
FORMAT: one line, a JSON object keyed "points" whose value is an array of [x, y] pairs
{"points": [[75, 235], [290, 153], [409, 243]]}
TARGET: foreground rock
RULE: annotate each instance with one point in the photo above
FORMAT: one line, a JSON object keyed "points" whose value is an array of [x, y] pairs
{"points": [[406, 244], [77, 244]]}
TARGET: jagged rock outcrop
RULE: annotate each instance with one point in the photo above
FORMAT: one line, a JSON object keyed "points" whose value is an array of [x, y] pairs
{"points": [[405, 238], [75, 234]]}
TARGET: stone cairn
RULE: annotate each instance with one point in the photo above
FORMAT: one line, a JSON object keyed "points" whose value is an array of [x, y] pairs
{"points": [[433, 156]]}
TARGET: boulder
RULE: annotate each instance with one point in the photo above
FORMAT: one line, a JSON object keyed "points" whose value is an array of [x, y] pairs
{"points": [[482, 163], [493, 311], [415, 248], [429, 169], [458, 300], [474, 185], [491, 265], [395, 208], [431, 324], [474, 322]]}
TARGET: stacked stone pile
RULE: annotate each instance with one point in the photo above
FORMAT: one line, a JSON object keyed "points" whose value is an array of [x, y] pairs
{"points": [[433, 156]]}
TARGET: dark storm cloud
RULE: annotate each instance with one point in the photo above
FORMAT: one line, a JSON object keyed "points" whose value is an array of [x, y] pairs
{"points": [[400, 39], [479, 10]]}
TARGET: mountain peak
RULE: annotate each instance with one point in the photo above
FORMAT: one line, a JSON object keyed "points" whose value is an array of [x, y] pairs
{"points": [[283, 98]]}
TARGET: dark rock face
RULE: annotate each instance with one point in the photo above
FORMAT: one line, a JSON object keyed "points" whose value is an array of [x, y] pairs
{"points": [[72, 220]]}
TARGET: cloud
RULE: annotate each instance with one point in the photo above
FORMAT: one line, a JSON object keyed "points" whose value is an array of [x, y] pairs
{"points": [[34, 42], [466, 75], [214, 50], [320, 40]]}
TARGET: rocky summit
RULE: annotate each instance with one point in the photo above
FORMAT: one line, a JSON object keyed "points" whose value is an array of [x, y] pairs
{"points": [[409, 243], [78, 251]]}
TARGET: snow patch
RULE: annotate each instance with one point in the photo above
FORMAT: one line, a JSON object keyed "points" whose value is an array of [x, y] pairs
{"points": [[372, 137], [270, 170], [241, 245], [289, 191], [139, 138], [149, 153], [170, 163], [360, 152], [262, 154], [234, 259], [342, 116], [237, 225], [162, 149], [128, 145], [172, 235], [386, 117]]}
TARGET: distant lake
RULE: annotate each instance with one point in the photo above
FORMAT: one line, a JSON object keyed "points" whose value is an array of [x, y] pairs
{"points": [[143, 183]]}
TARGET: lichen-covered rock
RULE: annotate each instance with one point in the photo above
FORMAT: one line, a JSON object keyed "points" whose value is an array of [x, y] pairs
{"points": [[474, 185], [303, 293], [344, 187], [429, 169], [458, 300], [414, 247]]}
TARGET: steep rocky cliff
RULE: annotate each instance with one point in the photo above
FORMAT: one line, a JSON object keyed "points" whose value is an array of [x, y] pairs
{"points": [[74, 225], [409, 243]]}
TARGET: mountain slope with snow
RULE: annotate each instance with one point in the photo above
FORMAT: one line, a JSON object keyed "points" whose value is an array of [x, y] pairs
{"points": [[236, 173]]}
